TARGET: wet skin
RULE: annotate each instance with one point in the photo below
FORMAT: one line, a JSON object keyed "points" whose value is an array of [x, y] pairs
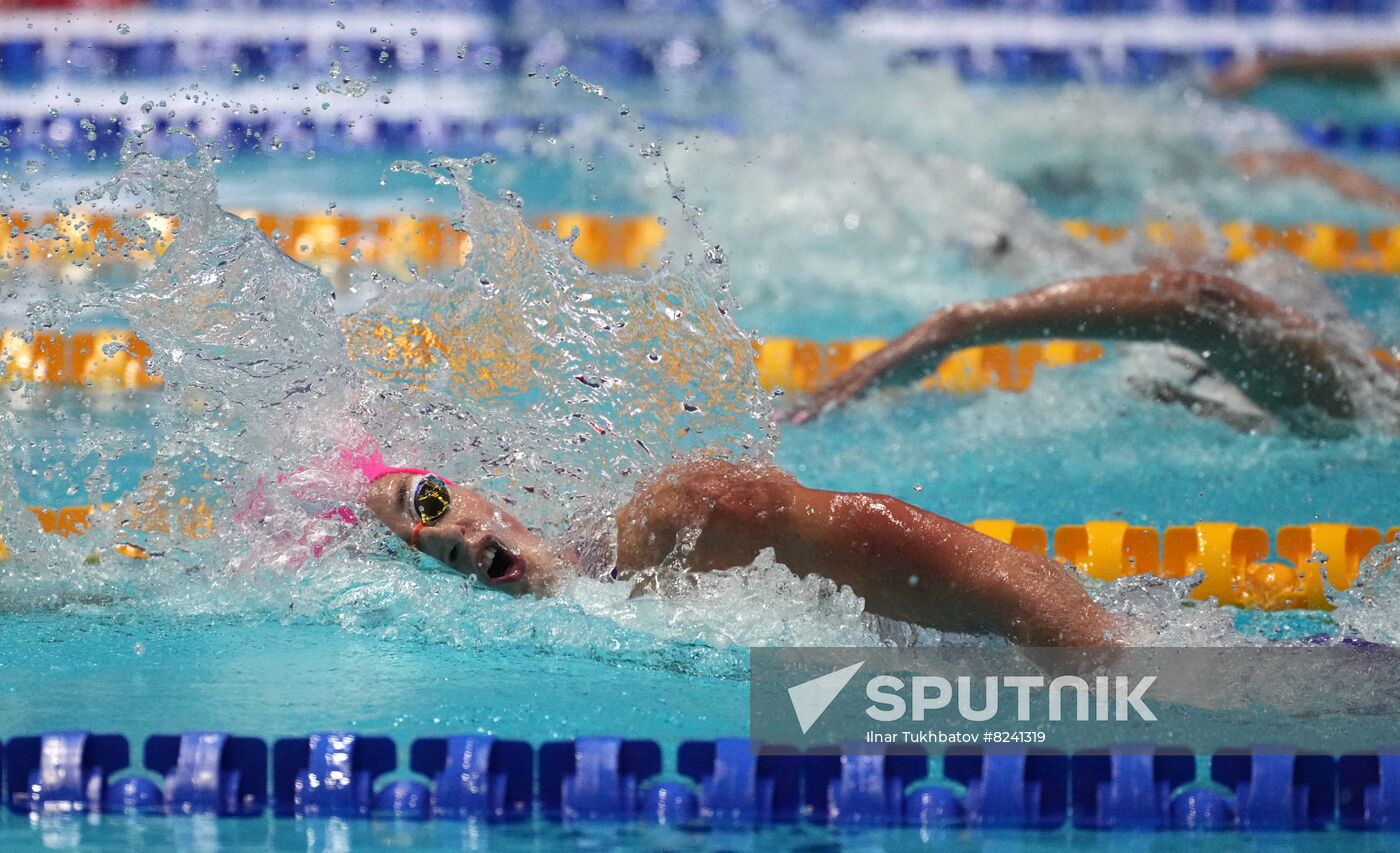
{"points": [[908, 564], [1282, 358]]}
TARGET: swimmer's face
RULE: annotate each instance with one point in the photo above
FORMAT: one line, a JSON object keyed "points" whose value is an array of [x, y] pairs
{"points": [[474, 537]]}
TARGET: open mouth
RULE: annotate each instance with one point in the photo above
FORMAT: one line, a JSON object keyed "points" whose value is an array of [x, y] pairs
{"points": [[499, 563]]}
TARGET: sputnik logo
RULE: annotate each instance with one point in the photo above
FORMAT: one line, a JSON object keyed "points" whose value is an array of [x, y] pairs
{"points": [[810, 699]]}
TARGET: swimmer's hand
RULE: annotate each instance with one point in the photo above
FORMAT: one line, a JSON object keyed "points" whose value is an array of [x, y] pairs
{"points": [[906, 359], [1240, 77], [839, 391]]}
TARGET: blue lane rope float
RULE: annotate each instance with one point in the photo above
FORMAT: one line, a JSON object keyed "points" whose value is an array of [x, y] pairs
{"points": [[719, 783], [28, 133], [505, 11], [1118, 41], [101, 137], [1370, 137]]}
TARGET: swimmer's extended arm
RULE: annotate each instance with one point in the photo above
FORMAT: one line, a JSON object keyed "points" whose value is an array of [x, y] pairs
{"points": [[1244, 74], [906, 563], [1349, 182], [1277, 356]]}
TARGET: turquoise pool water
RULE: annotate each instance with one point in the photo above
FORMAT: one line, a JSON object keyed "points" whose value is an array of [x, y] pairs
{"points": [[853, 224], [317, 835], [860, 250]]}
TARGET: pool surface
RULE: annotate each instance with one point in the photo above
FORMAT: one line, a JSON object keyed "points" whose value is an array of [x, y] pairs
{"points": [[815, 178]]}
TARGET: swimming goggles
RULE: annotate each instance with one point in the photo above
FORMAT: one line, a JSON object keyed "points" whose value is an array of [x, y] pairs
{"points": [[431, 501]]}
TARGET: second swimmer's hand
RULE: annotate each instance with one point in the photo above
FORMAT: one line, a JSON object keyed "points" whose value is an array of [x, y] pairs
{"points": [[906, 359], [839, 391], [1240, 77]]}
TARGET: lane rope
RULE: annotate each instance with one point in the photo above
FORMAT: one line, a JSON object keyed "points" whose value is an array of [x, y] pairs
{"points": [[397, 242], [1240, 565]]}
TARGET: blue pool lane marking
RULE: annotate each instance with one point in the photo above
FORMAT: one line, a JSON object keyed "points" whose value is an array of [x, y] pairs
{"points": [[719, 783]]}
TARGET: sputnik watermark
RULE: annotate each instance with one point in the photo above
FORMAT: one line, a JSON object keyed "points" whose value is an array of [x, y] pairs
{"points": [[920, 699], [1116, 698], [1112, 698], [810, 699]]}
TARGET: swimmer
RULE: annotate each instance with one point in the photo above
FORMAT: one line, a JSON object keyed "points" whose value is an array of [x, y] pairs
{"points": [[908, 564], [1290, 366], [1348, 182], [1244, 73], [1265, 149]]}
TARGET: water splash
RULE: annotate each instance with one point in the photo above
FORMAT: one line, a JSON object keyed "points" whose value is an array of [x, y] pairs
{"points": [[607, 377], [1370, 607], [540, 385], [548, 386]]}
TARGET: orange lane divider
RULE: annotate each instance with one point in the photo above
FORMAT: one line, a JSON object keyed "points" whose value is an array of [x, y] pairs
{"points": [[1326, 246], [609, 243], [803, 365], [1108, 550], [1227, 554], [1339, 548], [104, 358], [400, 241], [194, 519], [116, 358], [1234, 559], [329, 241], [1027, 537]]}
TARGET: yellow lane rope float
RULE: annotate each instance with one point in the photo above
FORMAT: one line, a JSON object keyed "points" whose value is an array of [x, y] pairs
{"points": [[802, 365], [1325, 246], [1232, 558], [114, 359], [394, 243], [101, 359], [399, 242]]}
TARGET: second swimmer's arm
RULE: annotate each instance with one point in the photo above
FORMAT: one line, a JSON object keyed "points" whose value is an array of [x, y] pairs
{"points": [[1275, 353], [1349, 182], [1246, 73]]}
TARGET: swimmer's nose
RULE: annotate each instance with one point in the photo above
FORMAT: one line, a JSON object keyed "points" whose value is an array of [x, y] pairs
{"points": [[448, 546], [488, 559]]}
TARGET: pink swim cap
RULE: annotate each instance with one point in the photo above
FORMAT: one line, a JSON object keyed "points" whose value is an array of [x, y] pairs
{"points": [[370, 460]]}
